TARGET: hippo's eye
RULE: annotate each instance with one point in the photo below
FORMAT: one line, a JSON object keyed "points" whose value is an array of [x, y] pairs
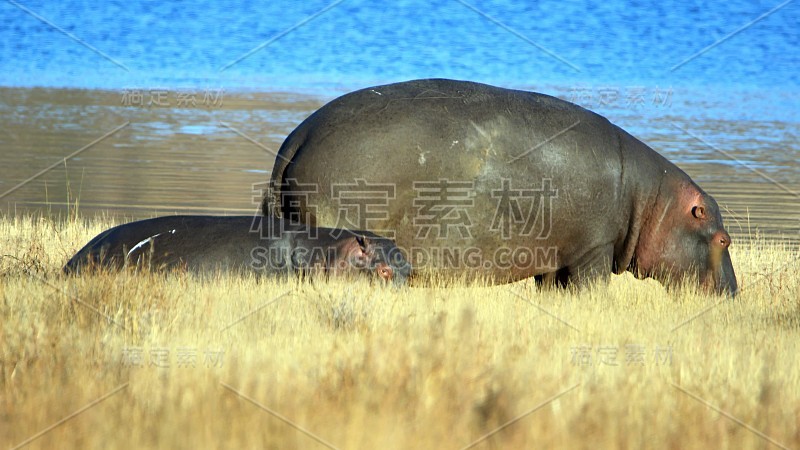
{"points": [[699, 212], [385, 272]]}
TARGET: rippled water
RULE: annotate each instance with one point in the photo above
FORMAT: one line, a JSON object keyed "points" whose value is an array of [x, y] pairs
{"points": [[325, 44]]}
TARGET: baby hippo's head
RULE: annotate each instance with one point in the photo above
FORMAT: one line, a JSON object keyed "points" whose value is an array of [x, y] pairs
{"points": [[373, 255]]}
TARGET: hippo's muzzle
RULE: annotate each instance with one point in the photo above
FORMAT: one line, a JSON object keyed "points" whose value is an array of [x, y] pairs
{"points": [[726, 279], [720, 266]]}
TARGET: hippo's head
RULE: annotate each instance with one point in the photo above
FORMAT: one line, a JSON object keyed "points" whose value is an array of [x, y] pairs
{"points": [[685, 236], [372, 255]]}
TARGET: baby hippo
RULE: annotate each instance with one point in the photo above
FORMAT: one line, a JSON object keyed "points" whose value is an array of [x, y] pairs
{"points": [[262, 244]]}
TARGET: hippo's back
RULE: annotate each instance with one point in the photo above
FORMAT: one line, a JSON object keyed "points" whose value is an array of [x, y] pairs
{"points": [[431, 118]]}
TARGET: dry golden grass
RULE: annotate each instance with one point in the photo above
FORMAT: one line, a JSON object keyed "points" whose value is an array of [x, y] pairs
{"points": [[351, 365]]}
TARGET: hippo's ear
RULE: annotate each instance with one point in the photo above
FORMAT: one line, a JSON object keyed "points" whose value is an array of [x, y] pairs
{"points": [[364, 243], [699, 212], [358, 248]]}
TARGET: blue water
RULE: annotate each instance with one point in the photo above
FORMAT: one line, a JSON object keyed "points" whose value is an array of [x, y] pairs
{"points": [[357, 42]]}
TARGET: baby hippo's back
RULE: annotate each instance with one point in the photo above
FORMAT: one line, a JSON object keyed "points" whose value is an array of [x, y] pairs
{"points": [[197, 243], [261, 244]]}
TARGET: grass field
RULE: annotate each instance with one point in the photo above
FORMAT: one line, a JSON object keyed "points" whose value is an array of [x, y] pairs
{"points": [[173, 361]]}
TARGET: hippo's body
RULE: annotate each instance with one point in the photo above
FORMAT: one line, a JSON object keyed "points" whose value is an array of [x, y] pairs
{"points": [[264, 245], [499, 182]]}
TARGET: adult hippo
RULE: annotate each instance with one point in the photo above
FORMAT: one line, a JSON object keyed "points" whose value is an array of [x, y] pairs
{"points": [[264, 245], [499, 182]]}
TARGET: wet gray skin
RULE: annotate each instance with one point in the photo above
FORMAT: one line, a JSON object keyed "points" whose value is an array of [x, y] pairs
{"points": [[264, 245], [598, 199]]}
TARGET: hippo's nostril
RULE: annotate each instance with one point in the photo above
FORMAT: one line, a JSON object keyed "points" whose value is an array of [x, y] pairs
{"points": [[722, 239]]}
